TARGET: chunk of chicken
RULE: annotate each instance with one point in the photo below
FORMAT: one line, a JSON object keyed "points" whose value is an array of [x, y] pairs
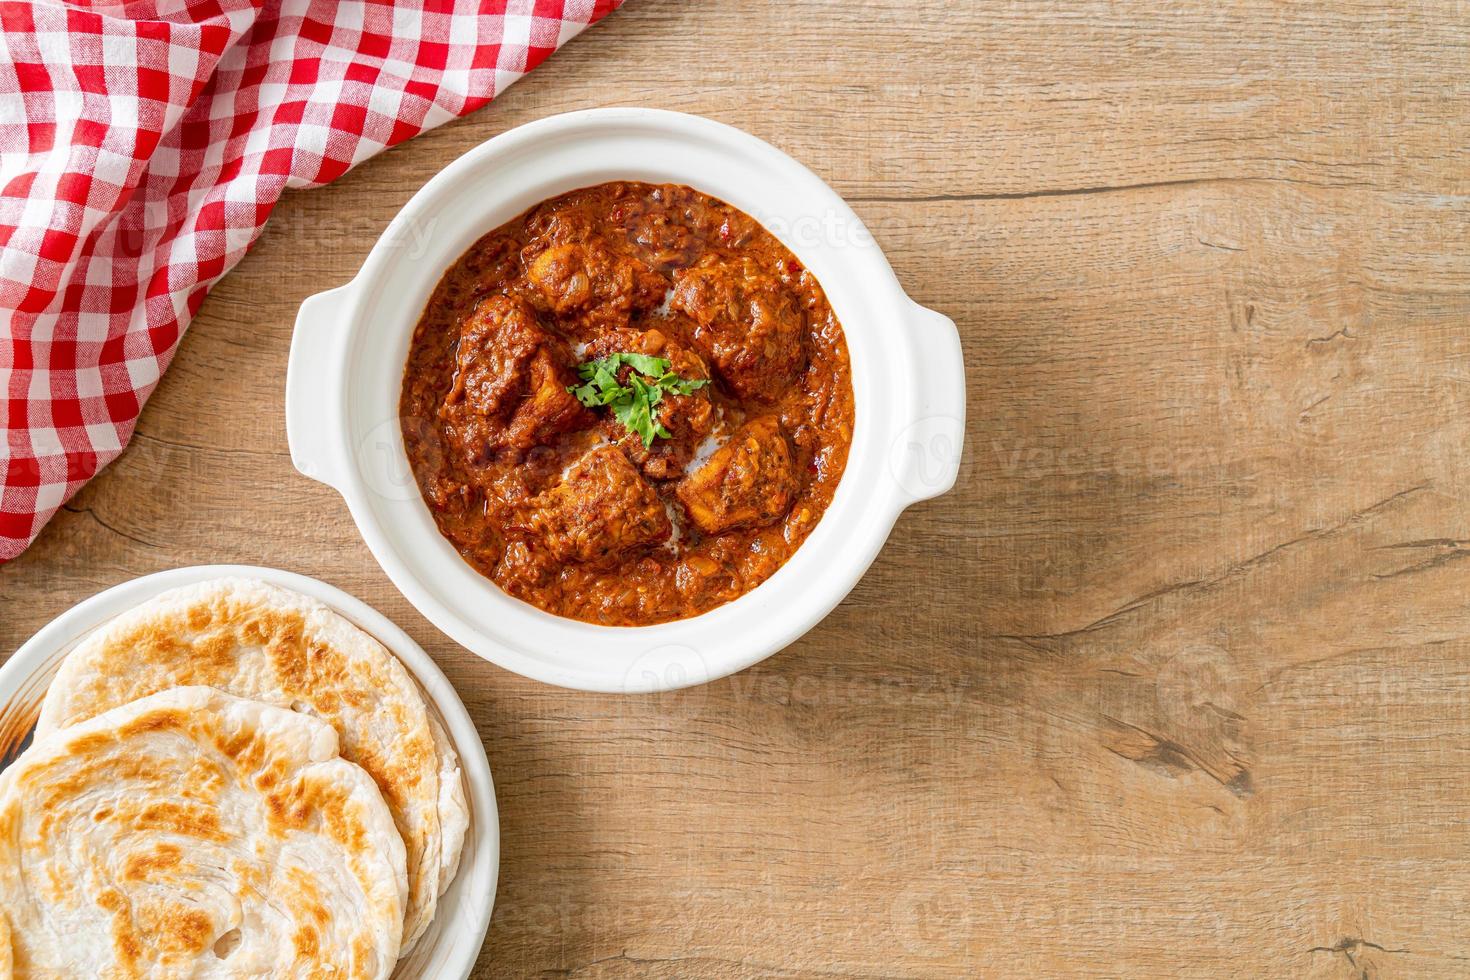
{"points": [[510, 379], [496, 343], [588, 286], [688, 418], [549, 410], [602, 510], [749, 482], [561, 219], [746, 321]]}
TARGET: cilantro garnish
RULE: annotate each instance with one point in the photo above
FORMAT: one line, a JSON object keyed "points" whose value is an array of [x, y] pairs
{"points": [[633, 403]]}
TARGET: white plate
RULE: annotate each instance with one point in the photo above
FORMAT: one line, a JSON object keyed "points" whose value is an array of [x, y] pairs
{"points": [[452, 944], [346, 371]]}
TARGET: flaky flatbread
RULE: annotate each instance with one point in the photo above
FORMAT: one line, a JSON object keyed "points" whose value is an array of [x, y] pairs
{"points": [[195, 834], [7, 968], [254, 640]]}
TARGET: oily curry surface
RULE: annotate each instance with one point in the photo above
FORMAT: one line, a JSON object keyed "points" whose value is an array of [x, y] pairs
{"points": [[579, 507]]}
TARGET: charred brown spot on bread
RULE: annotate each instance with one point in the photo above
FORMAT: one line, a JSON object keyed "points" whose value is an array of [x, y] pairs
{"points": [[285, 811], [204, 780], [199, 616], [81, 747], [169, 816], [126, 943], [268, 627], [144, 866], [306, 898], [175, 929], [153, 721], [343, 820], [245, 748], [59, 888], [250, 876], [271, 775], [217, 648], [159, 642], [391, 781], [283, 635], [364, 963], [307, 943], [294, 806]]}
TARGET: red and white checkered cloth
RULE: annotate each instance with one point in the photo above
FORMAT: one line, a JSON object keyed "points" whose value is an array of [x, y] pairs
{"points": [[143, 144]]}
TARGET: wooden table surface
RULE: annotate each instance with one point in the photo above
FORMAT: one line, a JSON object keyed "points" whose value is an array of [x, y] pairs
{"points": [[1175, 683]]}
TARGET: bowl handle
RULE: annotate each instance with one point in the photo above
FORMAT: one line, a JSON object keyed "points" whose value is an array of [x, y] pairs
{"points": [[314, 387], [925, 456]]}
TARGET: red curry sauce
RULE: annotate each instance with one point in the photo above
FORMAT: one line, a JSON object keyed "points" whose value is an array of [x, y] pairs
{"points": [[565, 507]]}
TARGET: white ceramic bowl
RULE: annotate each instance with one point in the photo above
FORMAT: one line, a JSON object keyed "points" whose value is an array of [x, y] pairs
{"points": [[351, 343], [453, 942]]}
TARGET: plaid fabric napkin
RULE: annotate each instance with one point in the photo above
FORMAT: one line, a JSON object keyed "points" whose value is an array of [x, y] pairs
{"points": [[143, 144]]}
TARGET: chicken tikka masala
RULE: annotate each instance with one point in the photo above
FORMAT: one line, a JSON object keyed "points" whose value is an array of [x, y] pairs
{"points": [[628, 405]]}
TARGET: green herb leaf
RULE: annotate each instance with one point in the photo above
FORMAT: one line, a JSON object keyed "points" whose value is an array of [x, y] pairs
{"points": [[643, 364], [633, 403]]}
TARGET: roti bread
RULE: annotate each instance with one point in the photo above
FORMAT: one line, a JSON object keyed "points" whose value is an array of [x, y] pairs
{"points": [[196, 834], [255, 640], [7, 968]]}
